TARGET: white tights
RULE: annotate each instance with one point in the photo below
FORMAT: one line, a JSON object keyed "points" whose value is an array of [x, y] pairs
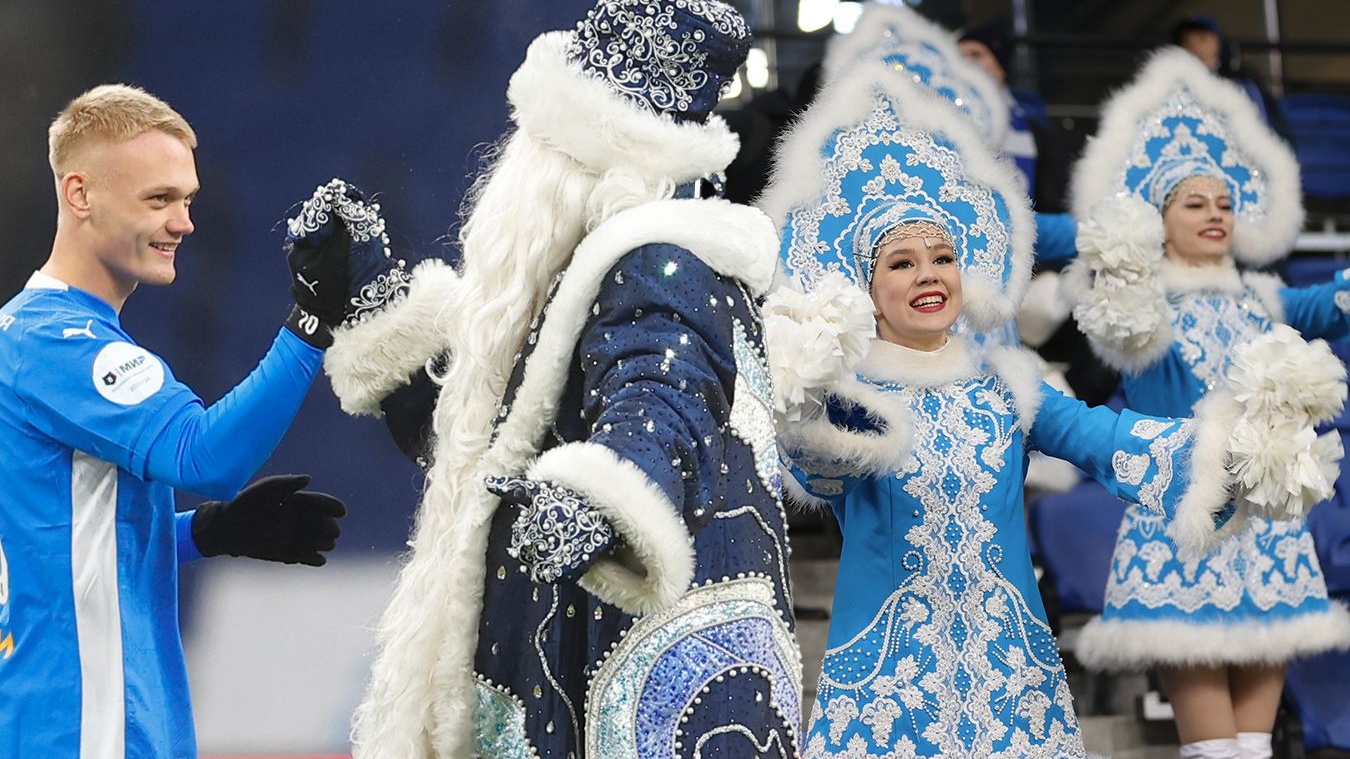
{"points": [[1216, 748], [1244, 746], [1254, 745]]}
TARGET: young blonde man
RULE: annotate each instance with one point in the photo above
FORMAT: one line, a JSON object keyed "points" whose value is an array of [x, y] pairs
{"points": [[98, 433]]}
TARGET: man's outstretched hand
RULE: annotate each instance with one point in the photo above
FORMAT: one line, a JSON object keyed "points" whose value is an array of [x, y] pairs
{"points": [[271, 519]]}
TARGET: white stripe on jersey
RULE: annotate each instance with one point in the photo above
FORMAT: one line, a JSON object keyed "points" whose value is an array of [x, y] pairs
{"points": [[98, 620]]}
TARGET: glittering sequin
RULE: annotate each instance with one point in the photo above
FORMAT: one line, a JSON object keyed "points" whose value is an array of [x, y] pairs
{"points": [[667, 658], [752, 409], [500, 725]]}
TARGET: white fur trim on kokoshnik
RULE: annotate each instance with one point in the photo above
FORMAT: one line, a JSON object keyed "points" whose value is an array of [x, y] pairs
{"points": [[1172, 84]]}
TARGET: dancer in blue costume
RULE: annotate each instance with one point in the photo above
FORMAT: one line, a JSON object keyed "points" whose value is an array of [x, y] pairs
{"points": [[600, 562], [1163, 301], [897, 221]]}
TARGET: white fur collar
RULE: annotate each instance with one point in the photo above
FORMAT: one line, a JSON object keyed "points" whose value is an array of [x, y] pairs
{"points": [[555, 102], [888, 362], [733, 240], [1176, 276]]}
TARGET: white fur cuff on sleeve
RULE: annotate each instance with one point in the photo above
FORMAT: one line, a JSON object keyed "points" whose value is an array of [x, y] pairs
{"points": [[655, 538], [371, 359]]}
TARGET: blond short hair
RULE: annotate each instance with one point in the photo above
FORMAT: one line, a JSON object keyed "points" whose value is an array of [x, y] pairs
{"points": [[114, 113]]}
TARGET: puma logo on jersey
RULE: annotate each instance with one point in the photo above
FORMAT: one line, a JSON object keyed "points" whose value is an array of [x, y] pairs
{"points": [[73, 331], [6, 322], [311, 285]]}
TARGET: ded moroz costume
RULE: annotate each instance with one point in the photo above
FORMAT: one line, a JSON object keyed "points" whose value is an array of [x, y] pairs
{"points": [[599, 567]]}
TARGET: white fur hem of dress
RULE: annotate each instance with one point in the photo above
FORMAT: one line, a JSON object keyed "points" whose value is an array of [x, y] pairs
{"points": [[640, 514], [373, 358], [1123, 646]]}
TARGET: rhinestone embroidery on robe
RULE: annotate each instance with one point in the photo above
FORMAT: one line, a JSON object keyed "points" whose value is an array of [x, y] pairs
{"points": [[751, 409], [982, 673], [667, 659], [500, 726]]}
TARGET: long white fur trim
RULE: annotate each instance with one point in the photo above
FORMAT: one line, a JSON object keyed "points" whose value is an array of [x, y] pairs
{"points": [[640, 514], [559, 104], [371, 359], [880, 23], [1022, 370], [1267, 288], [889, 362], [1192, 527], [1179, 277], [799, 173], [1130, 645], [857, 452], [1097, 173]]}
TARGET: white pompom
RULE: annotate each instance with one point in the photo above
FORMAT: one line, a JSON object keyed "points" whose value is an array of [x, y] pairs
{"points": [[1281, 376], [1124, 317], [1122, 232], [1282, 470], [815, 339]]}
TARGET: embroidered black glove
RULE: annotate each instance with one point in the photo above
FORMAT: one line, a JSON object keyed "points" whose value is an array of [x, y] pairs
{"points": [[557, 534], [271, 519], [341, 266]]}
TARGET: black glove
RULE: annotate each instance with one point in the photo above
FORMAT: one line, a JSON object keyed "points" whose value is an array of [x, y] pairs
{"points": [[271, 519], [318, 245]]}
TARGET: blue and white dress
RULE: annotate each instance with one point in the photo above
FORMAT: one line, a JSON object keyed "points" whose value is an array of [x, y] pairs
{"points": [[1260, 597], [939, 644]]}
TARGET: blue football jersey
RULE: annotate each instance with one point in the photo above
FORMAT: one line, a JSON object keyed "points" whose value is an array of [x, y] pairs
{"points": [[91, 663]]}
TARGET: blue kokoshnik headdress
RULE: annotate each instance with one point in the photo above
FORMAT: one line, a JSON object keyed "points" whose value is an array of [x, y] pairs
{"points": [[1177, 120], [920, 50], [875, 151]]}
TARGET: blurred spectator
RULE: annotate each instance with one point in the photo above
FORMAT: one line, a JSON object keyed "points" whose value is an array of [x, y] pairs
{"points": [[1202, 37]]}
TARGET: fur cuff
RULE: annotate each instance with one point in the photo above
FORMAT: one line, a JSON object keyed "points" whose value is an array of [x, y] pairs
{"points": [[1193, 526], [657, 564], [821, 447], [371, 359], [555, 102]]}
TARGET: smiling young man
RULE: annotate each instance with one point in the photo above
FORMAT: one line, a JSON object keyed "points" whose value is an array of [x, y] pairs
{"points": [[98, 433]]}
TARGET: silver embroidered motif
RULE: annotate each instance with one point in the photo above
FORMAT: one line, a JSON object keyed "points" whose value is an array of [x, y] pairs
{"points": [[1003, 655], [752, 408], [623, 687], [641, 50]]}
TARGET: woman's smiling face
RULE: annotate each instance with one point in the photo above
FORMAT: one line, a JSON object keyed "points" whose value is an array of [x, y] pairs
{"points": [[916, 288]]}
